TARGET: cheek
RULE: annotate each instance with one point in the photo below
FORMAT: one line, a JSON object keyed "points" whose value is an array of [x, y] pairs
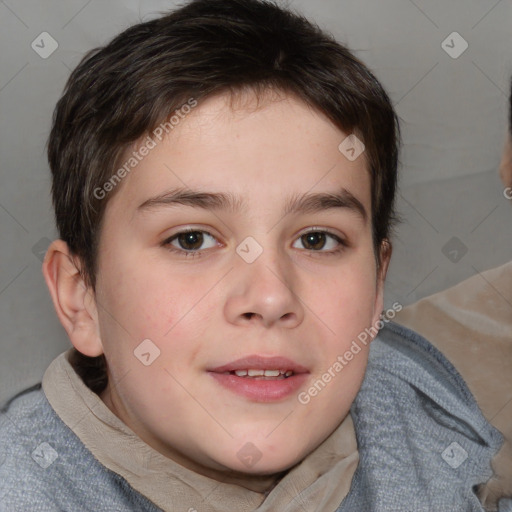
{"points": [[165, 307], [147, 295], [141, 305], [346, 302]]}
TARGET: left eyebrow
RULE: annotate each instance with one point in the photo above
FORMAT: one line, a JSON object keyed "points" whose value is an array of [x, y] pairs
{"points": [[314, 203], [303, 203]]}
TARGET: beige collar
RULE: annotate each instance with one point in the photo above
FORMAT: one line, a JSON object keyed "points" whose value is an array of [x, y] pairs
{"points": [[319, 483]]}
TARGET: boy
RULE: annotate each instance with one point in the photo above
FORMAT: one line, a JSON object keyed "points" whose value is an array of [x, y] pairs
{"points": [[223, 182]]}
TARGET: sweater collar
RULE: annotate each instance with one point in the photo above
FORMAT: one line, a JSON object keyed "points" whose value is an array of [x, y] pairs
{"points": [[319, 482]]}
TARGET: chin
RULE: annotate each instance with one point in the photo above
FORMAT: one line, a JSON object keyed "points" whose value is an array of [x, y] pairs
{"points": [[250, 460]]}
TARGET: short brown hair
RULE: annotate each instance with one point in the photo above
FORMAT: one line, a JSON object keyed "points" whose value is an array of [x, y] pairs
{"points": [[124, 90]]}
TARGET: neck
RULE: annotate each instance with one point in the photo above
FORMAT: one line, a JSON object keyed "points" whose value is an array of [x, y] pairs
{"points": [[256, 483]]}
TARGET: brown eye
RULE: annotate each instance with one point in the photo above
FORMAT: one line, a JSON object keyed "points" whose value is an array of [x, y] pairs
{"points": [[314, 241], [319, 241], [190, 241]]}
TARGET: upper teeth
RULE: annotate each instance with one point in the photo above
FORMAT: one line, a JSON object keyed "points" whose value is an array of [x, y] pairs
{"points": [[262, 373]]}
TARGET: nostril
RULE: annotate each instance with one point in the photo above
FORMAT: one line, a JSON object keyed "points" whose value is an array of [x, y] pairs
{"points": [[248, 316]]}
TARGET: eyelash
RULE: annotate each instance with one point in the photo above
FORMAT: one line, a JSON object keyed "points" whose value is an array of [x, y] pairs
{"points": [[183, 252], [342, 244]]}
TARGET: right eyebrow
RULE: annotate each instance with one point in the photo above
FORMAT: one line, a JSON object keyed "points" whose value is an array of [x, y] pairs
{"points": [[196, 199]]}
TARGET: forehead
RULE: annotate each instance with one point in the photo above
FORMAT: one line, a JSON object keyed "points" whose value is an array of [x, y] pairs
{"points": [[255, 149]]}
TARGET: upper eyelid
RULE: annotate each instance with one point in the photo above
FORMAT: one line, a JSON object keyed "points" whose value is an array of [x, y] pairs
{"points": [[189, 230], [316, 229], [338, 236], [302, 232], [172, 238]]}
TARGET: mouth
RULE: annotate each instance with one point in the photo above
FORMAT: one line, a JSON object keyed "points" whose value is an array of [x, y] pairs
{"points": [[256, 374], [261, 379]]}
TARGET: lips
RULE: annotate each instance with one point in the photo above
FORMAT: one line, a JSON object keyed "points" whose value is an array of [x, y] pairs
{"points": [[261, 379]]}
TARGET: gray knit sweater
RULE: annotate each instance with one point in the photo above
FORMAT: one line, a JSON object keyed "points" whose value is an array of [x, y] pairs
{"points": [[422, 440]]}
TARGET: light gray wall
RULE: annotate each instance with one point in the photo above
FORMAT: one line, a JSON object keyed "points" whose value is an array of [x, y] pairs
{"points": [[453, 113]]}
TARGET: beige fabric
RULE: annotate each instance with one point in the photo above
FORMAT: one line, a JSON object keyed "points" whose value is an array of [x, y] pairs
{"points": [[471, 324], [319, 483]]}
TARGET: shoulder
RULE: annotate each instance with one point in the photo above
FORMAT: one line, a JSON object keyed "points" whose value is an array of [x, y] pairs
{"points": [[415, 373], [472, 325], [403, 354], [45, 467], [25, 450], [419, 429]]}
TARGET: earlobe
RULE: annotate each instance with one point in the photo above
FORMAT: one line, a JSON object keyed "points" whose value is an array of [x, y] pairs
{"points": [[74, 302]]}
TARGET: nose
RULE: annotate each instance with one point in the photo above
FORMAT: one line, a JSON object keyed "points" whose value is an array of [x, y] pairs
{"points": [[264, 292]]}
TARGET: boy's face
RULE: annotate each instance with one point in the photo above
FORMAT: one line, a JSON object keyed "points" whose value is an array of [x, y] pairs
{"points": [[276, 183]]}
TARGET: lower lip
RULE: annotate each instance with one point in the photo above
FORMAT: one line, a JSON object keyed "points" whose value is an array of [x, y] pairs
{"points": [[261, 390]]}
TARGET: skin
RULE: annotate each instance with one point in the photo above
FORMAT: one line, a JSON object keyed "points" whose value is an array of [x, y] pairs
{"points": [[506, 163], [304, 302]]}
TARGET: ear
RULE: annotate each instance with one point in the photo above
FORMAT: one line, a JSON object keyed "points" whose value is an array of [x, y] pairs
{"points": [[506, 163], [385, 251], [74, 302]]}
